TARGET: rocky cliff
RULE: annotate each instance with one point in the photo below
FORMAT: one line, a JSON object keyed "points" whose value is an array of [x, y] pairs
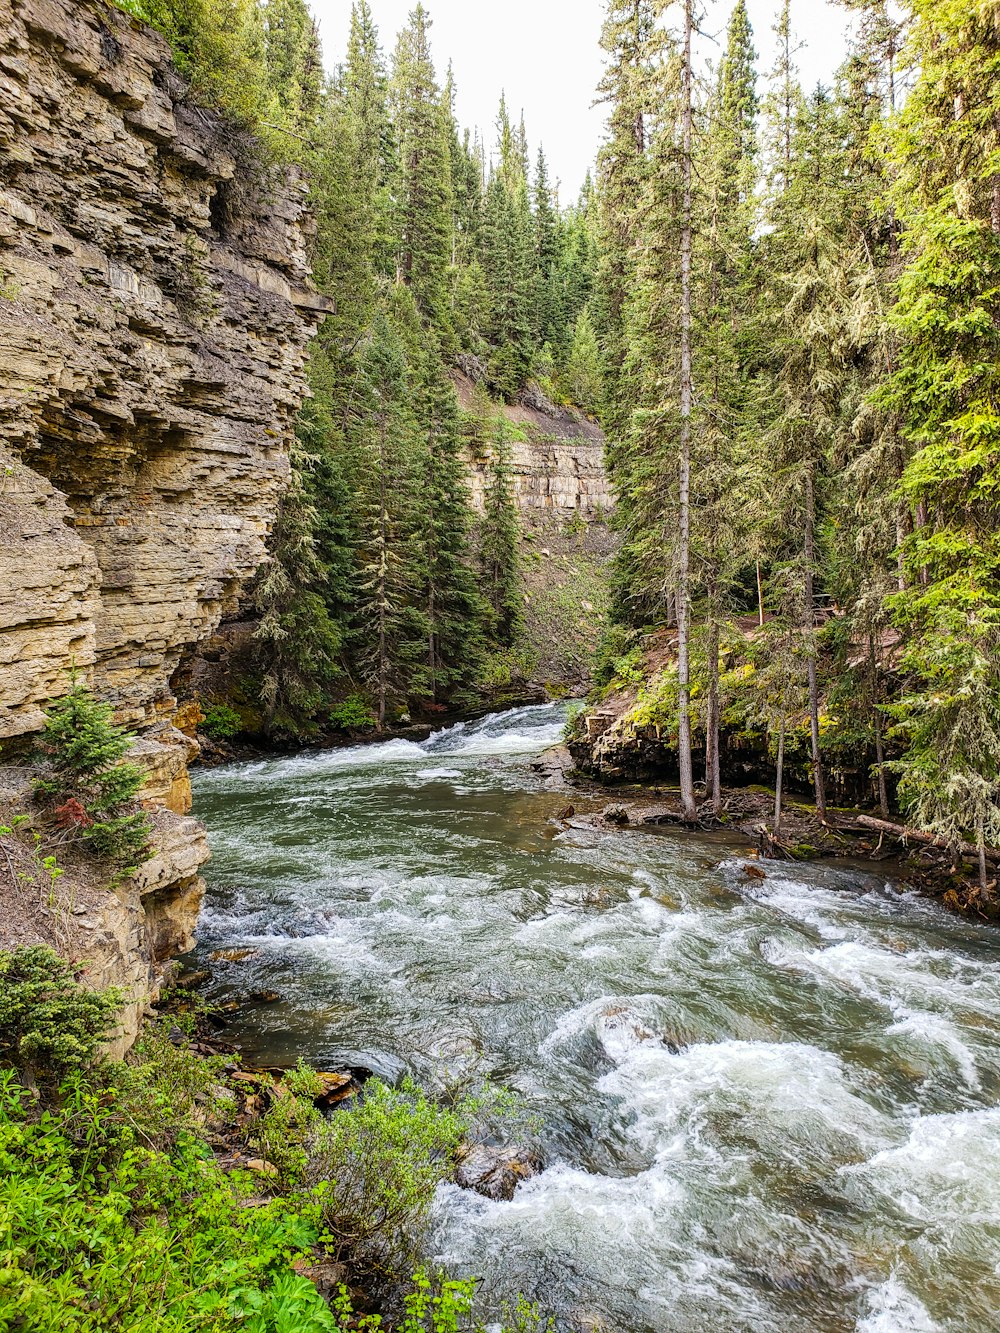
{"points": [[154, 312]]}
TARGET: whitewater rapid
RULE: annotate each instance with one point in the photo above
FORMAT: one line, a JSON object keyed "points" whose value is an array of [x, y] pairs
{"points": [[762, 1105]]}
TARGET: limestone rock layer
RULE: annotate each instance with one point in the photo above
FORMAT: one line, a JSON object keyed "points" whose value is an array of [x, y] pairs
{"points": [[155, 307]]}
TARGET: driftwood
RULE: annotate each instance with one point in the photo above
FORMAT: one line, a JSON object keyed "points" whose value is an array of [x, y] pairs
{"points": [[906, 835]]}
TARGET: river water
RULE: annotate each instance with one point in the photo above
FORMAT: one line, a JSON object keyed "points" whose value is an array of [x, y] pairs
{"points": [[763, 1105]]}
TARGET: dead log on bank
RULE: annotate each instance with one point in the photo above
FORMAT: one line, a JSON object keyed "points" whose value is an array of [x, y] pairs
{"points": [[907, 835]]}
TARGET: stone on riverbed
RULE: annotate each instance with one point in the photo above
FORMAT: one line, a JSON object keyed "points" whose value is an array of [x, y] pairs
{"points": [[495, 1172]]}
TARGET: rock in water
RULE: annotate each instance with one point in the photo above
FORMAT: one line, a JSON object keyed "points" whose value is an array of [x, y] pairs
{"points": [[496, 1172]]}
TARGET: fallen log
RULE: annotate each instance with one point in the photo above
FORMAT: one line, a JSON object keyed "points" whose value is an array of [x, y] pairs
{"points": [[907, 835]]}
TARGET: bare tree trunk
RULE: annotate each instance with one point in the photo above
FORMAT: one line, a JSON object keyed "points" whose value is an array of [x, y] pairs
{"points": [[883, 792], [760, 598], [810, 627], [713, 766], [688, 805], [779, 777]]}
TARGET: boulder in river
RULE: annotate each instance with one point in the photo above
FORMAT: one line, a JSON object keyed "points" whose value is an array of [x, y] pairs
{"points": [[495, 1172]]}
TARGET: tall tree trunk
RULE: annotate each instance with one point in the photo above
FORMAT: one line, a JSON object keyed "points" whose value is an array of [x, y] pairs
{"points": [[760, 598], [688, 805], [810, 629], [779, 777], [883, 792], [713, 768]]}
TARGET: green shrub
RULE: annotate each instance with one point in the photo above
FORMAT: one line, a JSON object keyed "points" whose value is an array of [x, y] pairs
{"points": [[353, 714], [90, 782], [221, 722], [382, 1159], [505, 667], [618, 659], [49, 1025]]}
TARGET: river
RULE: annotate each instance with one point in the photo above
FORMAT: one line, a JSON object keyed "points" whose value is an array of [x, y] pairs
{"points": [[763, 1105]]}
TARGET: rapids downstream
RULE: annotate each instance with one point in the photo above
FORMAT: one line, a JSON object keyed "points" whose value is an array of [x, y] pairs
{"points": [[762, 1105]]}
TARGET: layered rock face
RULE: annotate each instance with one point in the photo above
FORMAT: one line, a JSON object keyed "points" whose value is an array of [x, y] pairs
{"points": [[154, 312], [556, 460]]}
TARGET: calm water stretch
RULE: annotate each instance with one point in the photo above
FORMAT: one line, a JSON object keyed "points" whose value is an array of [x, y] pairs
{"points": [[764, 1105]]}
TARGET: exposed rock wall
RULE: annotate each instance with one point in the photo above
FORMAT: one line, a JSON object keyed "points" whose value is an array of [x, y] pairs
{"points": [[556, 458], [155, 306]]}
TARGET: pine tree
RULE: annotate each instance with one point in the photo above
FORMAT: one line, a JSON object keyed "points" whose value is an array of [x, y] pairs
{"points": [[294, 63], [454, 610], [633, 43], [499, 544], [727, 463], [550, 321], [946, 392], [509, 265], [425, 197], [391, 629]]}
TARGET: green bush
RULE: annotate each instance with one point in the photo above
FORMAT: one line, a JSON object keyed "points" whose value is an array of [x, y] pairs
{"points": [[618, 659], [505, 667], [90, 781], [382, 1159], [353, 714], [49, 1025], [221, 722]]}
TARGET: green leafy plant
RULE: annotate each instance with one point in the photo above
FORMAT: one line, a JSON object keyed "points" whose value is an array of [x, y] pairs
{"points": [[353, 714], [384, 1157], [221, 722]]}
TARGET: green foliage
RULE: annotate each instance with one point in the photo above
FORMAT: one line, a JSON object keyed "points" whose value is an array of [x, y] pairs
{"points": [[618, 658], [99, 1233], [49, 1025], [499, 545], [383, 1157], [504, 668], [86, 756], [353, 714], [221, 722]]}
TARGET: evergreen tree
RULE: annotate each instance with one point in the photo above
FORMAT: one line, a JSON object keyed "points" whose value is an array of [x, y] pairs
{"points": [[509, 268], [946, 393], [499, 544], [633, 43], [425, 197], [453, 607], [391, 630], [293, 62]]}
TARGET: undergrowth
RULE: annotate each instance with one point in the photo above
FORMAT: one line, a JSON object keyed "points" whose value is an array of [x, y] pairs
{"points": [[115, 1213]]}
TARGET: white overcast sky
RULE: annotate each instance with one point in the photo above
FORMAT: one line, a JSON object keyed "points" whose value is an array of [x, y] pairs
{"points": [[545, 55]]}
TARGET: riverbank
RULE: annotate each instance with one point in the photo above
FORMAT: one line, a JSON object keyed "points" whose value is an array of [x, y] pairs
{"points": [[852, 836]]}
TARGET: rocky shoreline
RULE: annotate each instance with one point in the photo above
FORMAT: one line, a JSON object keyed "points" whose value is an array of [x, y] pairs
{"points": [[748, 814]]}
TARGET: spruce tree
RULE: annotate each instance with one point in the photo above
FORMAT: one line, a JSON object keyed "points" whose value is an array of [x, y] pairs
{"points": [[425, 200], [499, 544], [391, 630], [946, 392]]}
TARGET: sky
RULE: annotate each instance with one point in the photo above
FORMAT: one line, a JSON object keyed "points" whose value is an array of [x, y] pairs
{"points": [[544, 54]]}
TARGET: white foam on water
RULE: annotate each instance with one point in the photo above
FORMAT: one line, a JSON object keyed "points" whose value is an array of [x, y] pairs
{"points": [[947, 1172], [894, 1309], [780, 1091]]}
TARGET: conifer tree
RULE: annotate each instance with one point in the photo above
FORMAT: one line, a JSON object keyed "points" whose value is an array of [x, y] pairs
{"points": [[391, 630], [509, 264], [633, 44], [728, 467], [945, 390], [425, 197], [499, 543]]}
